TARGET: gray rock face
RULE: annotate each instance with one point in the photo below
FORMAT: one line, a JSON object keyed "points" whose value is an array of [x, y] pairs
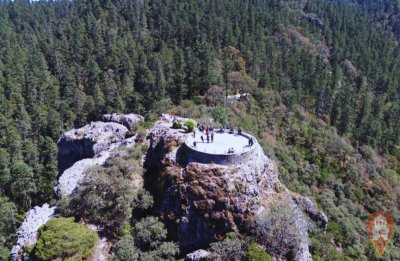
{"points": [[128, 120], [28, 232], [80, 149], [198, 255], [87, 142], [71, 177], [311, 209]]}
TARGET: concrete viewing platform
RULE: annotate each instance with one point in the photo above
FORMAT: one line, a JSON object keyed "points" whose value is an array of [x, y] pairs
{"points": [[224, 143]]}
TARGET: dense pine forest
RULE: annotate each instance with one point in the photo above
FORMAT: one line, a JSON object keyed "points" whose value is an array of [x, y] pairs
{"points": [[324, 79]]}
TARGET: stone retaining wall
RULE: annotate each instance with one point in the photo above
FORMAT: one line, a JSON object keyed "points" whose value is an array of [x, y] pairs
{"points": [[189, 154]]}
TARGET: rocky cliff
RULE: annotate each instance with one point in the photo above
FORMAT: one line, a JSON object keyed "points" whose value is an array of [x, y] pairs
{"points": [[202, 202]]}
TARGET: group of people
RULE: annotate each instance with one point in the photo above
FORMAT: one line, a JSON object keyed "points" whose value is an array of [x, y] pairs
{"points": [[231, 130], [208, 133], [202, 128]]}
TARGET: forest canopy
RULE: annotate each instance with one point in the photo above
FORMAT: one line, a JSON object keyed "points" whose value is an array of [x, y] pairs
{"points": [[65, 63]]}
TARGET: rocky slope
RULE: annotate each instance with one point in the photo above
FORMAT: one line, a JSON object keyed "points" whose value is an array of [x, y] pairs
{"points": [[78, 150], [28, 232]]}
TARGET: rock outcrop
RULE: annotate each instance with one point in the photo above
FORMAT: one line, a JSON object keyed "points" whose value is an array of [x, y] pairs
{"points": [[311, 209], [80, 149], [28, 232], [87, 142], [198, 255], [128, 120], [202, 202]]}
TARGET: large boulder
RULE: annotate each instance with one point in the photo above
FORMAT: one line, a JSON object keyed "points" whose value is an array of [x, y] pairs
{"points": [[69, 180], [128, 120], [80, 149], [88, 142], [27, 234], [198, 255]]}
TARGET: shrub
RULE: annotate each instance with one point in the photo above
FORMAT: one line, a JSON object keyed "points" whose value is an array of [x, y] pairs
{"points": [[146, 124], [8, 221], [165, 251], [4, 253], [336, 230], [63, 238], [256, 253], [190, 124], [177, 125], [219, 115], [106, 198], [228, 249], [147, 242], [144, 148], [125, 249], [279, 230], [141, 135], [149, 232]]}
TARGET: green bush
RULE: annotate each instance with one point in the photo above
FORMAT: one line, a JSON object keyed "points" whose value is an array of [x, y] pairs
{"points": [[8, 221], [147, 242], [4, 252], [177, 125], [337, 231], [256, 253], [149, 232], [144, 148], [125, 249], [63, 238], [228, 249], [106, 198], [146, 124], [219, 114], [190, 124], [141, 135]]}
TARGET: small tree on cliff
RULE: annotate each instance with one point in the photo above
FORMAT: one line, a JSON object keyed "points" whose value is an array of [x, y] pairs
{"points": [[256, 253], [63, 238], [147, 242], [231, 248], [219, 115], [279, 230], [189, 124]]}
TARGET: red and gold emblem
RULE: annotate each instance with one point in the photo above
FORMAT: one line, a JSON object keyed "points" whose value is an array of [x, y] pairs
{"points": [[380, 228]]}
